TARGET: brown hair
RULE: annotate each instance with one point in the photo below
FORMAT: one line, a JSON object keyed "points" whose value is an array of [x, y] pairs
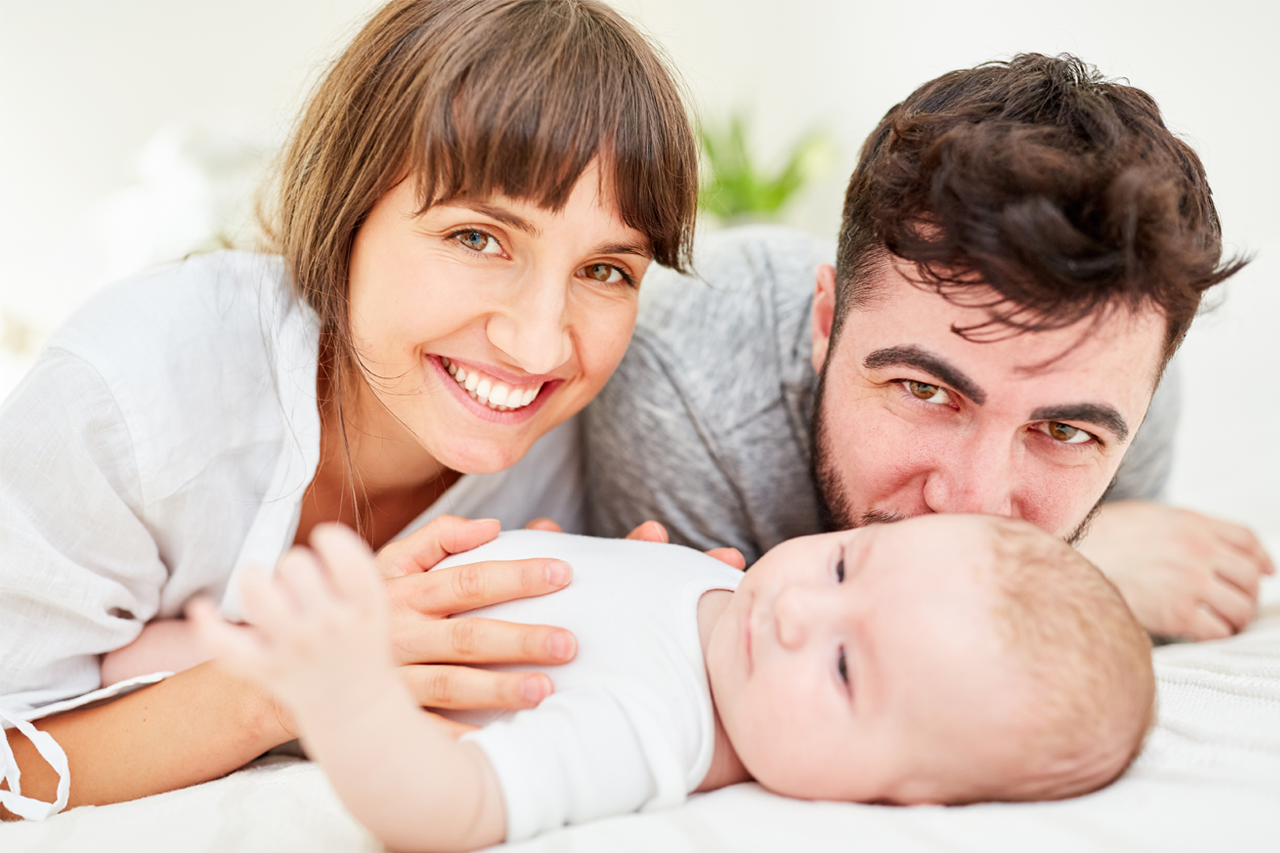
{"points": [[1063, 192], [480, 97], [1085, 656]]}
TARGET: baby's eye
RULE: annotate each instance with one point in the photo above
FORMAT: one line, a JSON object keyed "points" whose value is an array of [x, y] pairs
{"points": [[842, 667], [926, 392], [1066, 433], [478, 241], [840, 570]]}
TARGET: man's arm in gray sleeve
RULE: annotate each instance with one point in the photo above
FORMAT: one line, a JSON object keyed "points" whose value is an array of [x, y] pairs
{"points": [[1144, 473]]}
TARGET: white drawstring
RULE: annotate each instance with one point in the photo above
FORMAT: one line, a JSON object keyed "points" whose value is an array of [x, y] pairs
{"points": [[12, 799]]}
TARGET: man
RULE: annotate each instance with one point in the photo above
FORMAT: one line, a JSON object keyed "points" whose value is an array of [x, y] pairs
{"points": [[1023, 248]]}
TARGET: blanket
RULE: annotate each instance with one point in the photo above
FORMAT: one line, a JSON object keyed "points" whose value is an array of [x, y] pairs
{"points": [[1208, 778]]}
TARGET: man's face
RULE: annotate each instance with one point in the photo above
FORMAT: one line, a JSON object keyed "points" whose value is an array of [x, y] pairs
{"points": [[912, 418]]}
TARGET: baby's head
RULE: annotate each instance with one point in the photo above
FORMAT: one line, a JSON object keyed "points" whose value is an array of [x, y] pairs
{"points": [[942, 659]]}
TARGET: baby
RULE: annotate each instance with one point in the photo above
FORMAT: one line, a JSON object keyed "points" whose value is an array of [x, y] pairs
{"points": [[943, 659]]}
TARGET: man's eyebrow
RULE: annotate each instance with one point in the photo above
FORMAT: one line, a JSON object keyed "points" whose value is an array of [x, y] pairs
{"points": [[506, 217], [913, 356], [1090, 413]]}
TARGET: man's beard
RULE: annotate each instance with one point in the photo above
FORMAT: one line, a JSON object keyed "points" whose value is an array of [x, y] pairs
{"points": [[834, 510]]}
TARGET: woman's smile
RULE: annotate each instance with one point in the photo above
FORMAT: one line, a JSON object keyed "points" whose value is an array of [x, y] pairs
{"points": [[495, 399]]}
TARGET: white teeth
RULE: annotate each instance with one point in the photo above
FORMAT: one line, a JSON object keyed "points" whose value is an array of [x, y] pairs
{"points": [[496, 395]]}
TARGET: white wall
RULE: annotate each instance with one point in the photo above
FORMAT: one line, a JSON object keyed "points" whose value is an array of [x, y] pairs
{"points": [[114, 113]]}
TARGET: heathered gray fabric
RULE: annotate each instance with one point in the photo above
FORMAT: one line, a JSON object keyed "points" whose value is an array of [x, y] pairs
{"points": [[705, 425]]}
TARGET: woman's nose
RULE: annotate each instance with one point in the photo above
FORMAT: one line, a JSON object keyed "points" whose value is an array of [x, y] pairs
{"points": [[533, 326]]}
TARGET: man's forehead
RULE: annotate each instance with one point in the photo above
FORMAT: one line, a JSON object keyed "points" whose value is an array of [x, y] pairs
{"points": [[906, 312]]}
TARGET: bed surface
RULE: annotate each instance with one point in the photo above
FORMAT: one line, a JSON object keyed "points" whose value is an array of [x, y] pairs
{"points": [[1208, 779]]}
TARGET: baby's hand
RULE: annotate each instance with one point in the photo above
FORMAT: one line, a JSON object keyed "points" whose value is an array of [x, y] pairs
{"points": [[318, 633]]}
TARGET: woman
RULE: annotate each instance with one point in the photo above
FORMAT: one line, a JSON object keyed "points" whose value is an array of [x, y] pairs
{"points": [[464, 214]]}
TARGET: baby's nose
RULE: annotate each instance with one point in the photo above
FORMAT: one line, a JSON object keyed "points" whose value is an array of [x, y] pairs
{"points": [[791, 615]]}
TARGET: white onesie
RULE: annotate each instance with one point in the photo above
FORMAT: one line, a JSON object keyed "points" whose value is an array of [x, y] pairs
{"points": [[630, 725]]}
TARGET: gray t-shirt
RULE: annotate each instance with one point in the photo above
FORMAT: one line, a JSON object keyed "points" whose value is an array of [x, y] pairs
{"points": [[705, 427]]}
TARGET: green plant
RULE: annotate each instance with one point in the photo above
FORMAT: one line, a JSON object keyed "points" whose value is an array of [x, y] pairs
{"points": [[735, 187]]}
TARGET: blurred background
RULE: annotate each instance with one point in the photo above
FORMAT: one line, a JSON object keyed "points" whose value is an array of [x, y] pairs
{"points": [[134, 131]]}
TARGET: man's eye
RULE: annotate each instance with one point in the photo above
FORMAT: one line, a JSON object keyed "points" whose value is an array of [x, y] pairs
{"points": [[842, 666], [605, 274], [478, 241], [926, 392], [1066, 433]]}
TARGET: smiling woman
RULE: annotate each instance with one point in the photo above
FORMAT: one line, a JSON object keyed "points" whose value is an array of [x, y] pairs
{"points": [[462, 218]]}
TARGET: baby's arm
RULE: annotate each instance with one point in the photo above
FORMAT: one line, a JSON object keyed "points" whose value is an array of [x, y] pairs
{"points": [[319, 639]]}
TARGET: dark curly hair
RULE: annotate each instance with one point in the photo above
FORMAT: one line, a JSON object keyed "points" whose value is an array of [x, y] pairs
{"points": [[1061, 191]]}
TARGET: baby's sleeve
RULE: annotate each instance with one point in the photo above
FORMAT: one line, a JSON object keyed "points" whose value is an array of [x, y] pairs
{"points": [[583, 754]]}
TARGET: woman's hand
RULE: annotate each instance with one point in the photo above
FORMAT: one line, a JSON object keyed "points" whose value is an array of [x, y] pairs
{"points": [[432, 649]]}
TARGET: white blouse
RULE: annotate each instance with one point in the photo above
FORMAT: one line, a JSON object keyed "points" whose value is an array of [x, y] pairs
{"points": [[165, 438]]}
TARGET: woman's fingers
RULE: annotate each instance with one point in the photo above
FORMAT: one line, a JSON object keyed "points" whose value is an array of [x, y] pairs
{"points": [[457, 589], [431, 543], [452, 728], [544, 524], [465, 687], [650, 531], [474, 640], [731, 557]]}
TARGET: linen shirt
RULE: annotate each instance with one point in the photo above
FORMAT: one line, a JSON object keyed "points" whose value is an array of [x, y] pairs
{"points": [[163, 440]]}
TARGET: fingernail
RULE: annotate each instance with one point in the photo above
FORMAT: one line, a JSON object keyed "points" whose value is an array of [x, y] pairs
{"points": [[535, 688], [561, 645], [559, 573], [474, 521]]}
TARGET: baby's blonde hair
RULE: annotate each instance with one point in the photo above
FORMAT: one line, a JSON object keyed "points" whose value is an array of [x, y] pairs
{"points": [[1087, 659]]}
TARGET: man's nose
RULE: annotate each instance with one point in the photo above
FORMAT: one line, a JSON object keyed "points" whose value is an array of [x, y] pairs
{"points": [[977, 477], [532, 327]]}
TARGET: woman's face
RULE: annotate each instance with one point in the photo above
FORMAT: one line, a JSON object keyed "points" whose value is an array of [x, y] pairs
{"points": [[484, 323]]}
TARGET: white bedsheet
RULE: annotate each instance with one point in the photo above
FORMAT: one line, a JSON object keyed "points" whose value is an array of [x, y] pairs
{"points": [[1207, 780]]}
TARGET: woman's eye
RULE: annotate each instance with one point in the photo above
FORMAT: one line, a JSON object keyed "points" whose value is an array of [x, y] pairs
{"points": [[605, 274], [842, 667], [840, 570], [1066, 433], [926, 392], [478, 241]]}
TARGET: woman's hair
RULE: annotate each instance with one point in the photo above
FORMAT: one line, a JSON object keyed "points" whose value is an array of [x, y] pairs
{"points": [[1060, 190], [480, 97]]}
